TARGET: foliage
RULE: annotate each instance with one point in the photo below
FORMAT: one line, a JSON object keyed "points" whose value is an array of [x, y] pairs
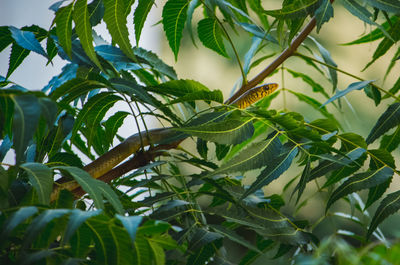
{"points": [[54, 209]]}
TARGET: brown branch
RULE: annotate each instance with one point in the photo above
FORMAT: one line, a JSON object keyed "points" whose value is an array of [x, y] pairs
{"points": [[289, 51]]}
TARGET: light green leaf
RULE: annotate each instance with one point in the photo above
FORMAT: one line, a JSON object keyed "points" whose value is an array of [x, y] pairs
{"points": [[41, 178], [64, 28], [84, 30], [389, 119], [388, 206], [230, 131], [115, 18], [294, 9], [174, 16], [359, 182], [323, 13], [26, 116], [210, 34], [141, 12], [158, 252], [274, 169]]}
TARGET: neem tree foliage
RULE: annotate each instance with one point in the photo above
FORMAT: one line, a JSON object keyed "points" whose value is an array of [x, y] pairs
{"points": [[56, 210]]}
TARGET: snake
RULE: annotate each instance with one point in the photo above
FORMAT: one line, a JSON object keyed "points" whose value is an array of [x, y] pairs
{"points": [[255, 94]]}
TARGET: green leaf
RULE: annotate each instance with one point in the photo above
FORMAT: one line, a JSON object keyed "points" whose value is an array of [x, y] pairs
{"points": [[210, 34], [386, 43], [255, 44], [174, 16], [274, 169], [390, 6], [93, 112], [252, 256], [158, 252], [64, 28], [84, 30], [351, 87], [17, 56], [308, 80], [113, 123], [17, 218], [115, 18], [95, 188], [152, 59], [96, 12], [41, 178], [294, 9], [215, 96], [389, 119], [391, 142], [140, 16], [375, 193], [230, 131], [359, 182], [39, 223], [388, 206], [27, 40], [257, 32], [131, 224], [232, 235], [76, 219], [303, 180], [48, 110], [202, 148], [373, 93], [252, 157], [74, 88], [202, 237], [179, 88], [5, 37], [323, 13], [26, 116]]}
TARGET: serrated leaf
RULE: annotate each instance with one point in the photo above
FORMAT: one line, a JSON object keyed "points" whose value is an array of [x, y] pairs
{"points": [[112, 54], [153, 60], [174, 16], [38, 224], [252, 256], [293, 9], [131, 224], [375, 193], [41, 178], [113, 123], [26, 117], [391, 6], [202, 148], [323, 13], [388, 206], [95, 188], [17, 56], [389, 119], [75, 88], [274, 169], [27, 40], [232, 235], [115, 18], [96, 12], [5, 37], [307, 79], [93, 112], [17, 218], [202, 237], [141, 12], [391, 142], [76, 219], [179, 88], [230, 131], [252, 157], [215, 96], [303, 180], [84, 30], [64, 28], [359, 182], [373, 93], [210, 34], [353, 86]]}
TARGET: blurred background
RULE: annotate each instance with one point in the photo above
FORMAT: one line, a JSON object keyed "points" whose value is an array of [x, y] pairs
{"points": [[358, 114]]}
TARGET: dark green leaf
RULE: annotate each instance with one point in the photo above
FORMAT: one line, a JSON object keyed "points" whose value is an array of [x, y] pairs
{"points": [[131, 224], [179, 88], [232, 235], [76, 219], [303, 180], [274, 169], [113, 123], [27, 40], [174, 16], [307, 79], [96, 12], [64, 28], [257, 32], [294, 9], [152, 59], [17, 56], [202, 237], [41, 178], [141, 12], [391, 6], [26, 116], [323, 13], [115, 18], [375, 193], [351, 87], [84, 30], [5, 37], [389, 119], [17, 218], [210, 34], [359, 182], [391, 142], [388, 206], [215, 95], [202, 148], [373, 93], [74, 88]]}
